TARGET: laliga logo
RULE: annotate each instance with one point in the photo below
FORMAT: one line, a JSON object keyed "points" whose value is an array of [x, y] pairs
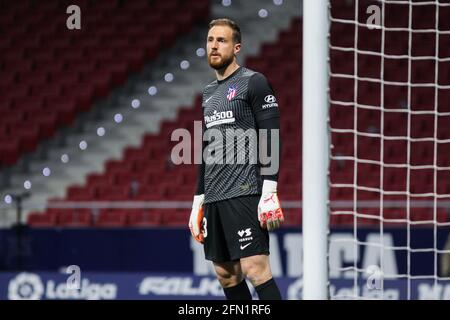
{"points": [[29, 286], [25, 286]]}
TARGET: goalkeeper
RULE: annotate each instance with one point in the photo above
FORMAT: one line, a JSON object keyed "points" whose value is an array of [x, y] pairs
{"points": [[236, 204]]}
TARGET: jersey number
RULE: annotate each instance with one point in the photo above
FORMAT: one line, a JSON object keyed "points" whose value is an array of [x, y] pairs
{"points": [[205, 230]]}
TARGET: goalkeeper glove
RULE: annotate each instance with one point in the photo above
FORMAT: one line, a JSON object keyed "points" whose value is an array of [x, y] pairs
{"points": [[196, 218], [270, 214]]}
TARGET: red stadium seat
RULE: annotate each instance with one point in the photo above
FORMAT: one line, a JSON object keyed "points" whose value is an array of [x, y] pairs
{"points": [[79, 193], [95, 179], [107, 192], [28, 136], [175, 217], [112, 218], [150, 193], [52, 62], [9, 152], [75, 218], [90, 65], [292, 217], [47, 124], [37, 219], [144, 217]]}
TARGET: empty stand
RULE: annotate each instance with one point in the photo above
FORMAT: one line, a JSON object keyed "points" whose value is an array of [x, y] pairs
{"points": [[51, 74], [146, 173]]}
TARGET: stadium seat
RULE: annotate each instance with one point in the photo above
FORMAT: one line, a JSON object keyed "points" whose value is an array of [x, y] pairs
{"points": [[292, 217], [38, 219], [75, 218], [144, 218], [145, 172], [175, 217], [54, 70], [111, 218]]}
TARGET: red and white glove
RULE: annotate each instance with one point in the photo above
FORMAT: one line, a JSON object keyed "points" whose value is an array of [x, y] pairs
{"points": [[270, 215], [196, 218]]}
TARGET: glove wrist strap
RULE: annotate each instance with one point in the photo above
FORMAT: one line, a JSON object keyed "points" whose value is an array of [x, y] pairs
{"points": [[269, 186]]}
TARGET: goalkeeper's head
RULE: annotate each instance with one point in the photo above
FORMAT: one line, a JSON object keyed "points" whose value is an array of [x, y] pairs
{"points": [[223, 43]]}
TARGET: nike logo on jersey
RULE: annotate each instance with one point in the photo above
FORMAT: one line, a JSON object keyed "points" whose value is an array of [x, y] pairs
{"points": [[208, 99], [243, 247]]}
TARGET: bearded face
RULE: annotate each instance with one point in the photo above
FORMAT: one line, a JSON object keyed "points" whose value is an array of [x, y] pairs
{"points": [[219, 61], [220, 46]]}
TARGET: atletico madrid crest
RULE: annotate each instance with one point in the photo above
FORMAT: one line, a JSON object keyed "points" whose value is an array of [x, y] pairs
{"points": [[231, 93]]}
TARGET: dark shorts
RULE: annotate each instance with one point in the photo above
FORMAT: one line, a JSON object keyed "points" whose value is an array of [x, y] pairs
{"points": [[233, 230]]}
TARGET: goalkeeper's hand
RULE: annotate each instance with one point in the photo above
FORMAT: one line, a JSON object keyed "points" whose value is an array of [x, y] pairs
{"points": [[196, 219], [270, 215]]}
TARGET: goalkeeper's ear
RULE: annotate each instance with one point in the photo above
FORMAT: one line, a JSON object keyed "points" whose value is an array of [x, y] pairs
{"points": [[237, 48]]}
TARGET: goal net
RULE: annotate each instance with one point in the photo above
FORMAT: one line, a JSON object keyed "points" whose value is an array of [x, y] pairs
{"points": [[389, 125]]}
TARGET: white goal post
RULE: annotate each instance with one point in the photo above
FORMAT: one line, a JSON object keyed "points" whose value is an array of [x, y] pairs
{"points": [[315, 149], [376, 149]]}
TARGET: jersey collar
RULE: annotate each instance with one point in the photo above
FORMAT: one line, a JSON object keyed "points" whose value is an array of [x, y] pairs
{"points": [[229, 77]]}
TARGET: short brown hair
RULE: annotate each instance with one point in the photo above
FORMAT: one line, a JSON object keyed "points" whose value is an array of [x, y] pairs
{"points": [[227, 22]]}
